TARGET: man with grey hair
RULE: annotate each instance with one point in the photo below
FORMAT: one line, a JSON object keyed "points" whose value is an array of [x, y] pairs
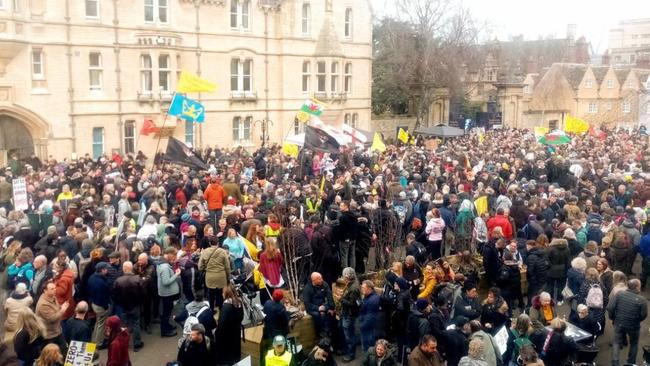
{"points": [[349, 310], [627, 310], [42, 275]]}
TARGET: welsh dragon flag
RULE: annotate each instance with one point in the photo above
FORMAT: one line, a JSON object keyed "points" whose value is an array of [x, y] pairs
{"points": [[313, 107]]}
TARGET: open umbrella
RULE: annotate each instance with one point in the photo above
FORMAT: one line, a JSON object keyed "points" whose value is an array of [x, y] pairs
{"points": [[554, 138]]}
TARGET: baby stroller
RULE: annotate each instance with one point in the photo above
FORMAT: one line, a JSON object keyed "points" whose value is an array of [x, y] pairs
{"points": [[586, 355]]}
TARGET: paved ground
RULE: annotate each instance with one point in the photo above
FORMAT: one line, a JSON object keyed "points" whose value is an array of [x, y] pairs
{"points": [[159, 351]]}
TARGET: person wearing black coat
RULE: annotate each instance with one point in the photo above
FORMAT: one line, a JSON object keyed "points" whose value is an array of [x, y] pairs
{"points": [[418, 323], [583, 320], [509, 281], [494, 312], [276, 320], [325, 259], [559, 257], [454, 341], [467, 305], [379, 355], [492, 259], [537, 268], [557, 348], [228, 332], [319, 304], [195, 349]]}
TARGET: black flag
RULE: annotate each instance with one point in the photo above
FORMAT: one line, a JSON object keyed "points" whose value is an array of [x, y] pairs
{"points": [[317, 139], [178, 153]]}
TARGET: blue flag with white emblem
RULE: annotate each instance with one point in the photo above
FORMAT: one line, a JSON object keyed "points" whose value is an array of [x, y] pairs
{"points": [[187, 109]]}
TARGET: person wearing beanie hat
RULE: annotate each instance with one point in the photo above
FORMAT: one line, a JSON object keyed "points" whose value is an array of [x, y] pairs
{"points": [[349, 310], [276, 320], [418, 323], [118, 342], [14, 305]]}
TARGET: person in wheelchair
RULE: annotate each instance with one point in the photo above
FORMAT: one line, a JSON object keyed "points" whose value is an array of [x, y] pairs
{"points": [[583, 320]]}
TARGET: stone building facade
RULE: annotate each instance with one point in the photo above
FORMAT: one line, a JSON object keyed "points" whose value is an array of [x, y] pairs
{"points": [[82, 76]]}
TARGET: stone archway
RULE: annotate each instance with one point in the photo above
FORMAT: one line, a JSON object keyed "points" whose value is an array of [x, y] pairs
{"points": [[22, 132]]}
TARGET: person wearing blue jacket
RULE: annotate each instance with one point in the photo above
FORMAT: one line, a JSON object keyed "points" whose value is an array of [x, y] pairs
{"points": [[369, 314], [99, 297]]}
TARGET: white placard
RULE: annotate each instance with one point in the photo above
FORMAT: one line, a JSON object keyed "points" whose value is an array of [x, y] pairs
{"points": [[80, 354], [245, 362], [20, 194], [501, 339]]}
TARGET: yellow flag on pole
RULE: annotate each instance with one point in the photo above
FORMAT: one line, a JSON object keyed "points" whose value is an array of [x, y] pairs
{"points": [[540, 131], [191, 83], [377, 143], [575, 125], [403, 136], [290, 150], [481, 205]]}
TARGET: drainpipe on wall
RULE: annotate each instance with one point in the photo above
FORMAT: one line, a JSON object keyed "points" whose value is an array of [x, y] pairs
{"points": [[73, 124], [118, 72], [197, 6]]}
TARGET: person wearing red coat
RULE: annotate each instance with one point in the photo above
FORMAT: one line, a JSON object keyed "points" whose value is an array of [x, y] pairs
{"points": [[118, 342], [64, 281], [502, 221]]}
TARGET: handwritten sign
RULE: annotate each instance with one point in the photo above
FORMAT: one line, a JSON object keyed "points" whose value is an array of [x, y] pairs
{"points": [[80, 354], [20, 194]]}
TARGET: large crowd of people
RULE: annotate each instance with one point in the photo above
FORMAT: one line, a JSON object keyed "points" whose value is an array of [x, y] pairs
{"points": [[423, 254]]}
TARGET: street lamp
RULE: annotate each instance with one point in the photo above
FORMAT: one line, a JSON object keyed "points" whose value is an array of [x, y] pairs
{"points": [[264, 123]]}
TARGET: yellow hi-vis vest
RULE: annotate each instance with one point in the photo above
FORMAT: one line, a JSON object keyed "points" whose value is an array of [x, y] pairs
{"points": [[270, 233], [311, 206], [272, 359]]}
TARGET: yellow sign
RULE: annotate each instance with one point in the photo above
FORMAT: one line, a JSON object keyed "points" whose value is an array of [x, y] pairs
{"points": [[290, 150], [80, 354], [541, 131]]}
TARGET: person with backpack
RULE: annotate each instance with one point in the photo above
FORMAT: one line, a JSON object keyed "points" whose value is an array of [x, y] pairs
{"points": [[416, 249], [518, 338], [591, 293], [22, 270], [196, 312]]}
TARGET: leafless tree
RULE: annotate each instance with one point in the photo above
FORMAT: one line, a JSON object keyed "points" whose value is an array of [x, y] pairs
{"points": [[427, 42]]}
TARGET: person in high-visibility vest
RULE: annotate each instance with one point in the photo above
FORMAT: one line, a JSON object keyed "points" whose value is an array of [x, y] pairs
{"points": [[279, 355]]}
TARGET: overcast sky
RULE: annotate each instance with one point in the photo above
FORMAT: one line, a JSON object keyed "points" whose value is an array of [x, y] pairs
{"points": [[549, 17]]}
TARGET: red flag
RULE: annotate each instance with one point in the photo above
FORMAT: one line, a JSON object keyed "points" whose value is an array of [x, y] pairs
{"points": [[148, 127]]}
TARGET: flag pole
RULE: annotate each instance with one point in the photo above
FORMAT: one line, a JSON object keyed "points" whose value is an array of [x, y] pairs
{"points": [[153, 164]]}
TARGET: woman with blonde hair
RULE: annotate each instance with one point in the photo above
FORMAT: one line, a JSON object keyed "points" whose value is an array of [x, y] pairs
{"points": [[50, 356], [271, 264], [474, 355], [29, 340], [7, 258], [255, 235]]}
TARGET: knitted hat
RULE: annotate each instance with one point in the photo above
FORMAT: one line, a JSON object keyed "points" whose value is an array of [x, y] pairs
{"points": [[21, 289], [278, 295], [421, 304]]}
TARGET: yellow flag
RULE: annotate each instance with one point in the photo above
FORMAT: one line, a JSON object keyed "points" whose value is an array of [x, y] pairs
{"points": [[191, 83], [541, 131], [403, 136], [575, 125], [481, 205], [377, 144], [290, 149], [481, 138], [303, 116]]}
